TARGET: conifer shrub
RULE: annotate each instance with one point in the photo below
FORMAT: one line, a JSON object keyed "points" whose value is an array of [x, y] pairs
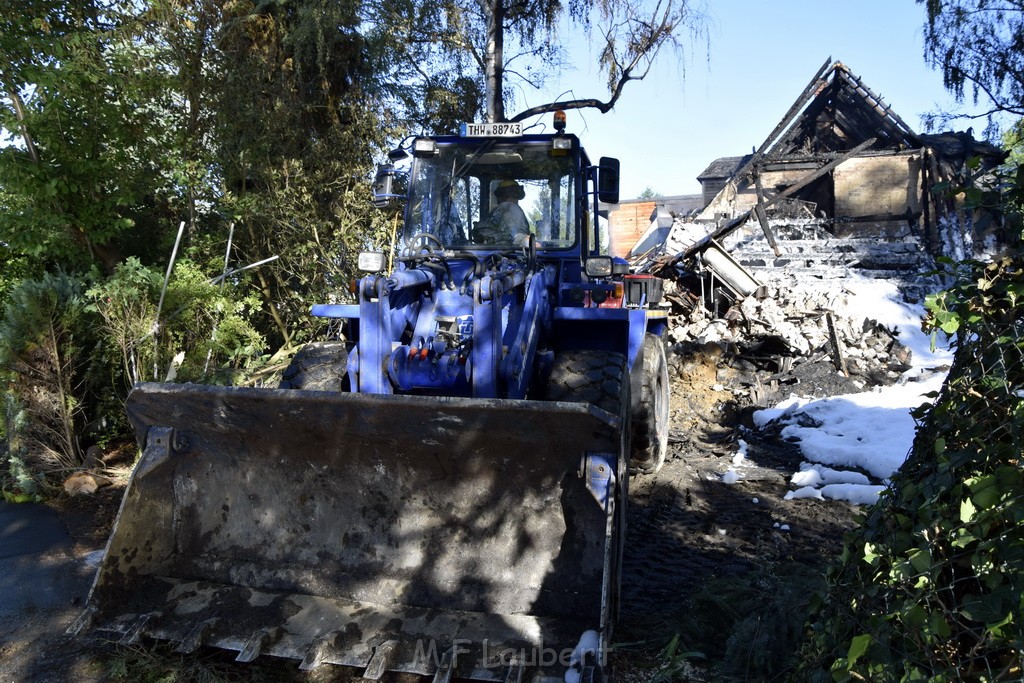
{"points": [[45, 340]]}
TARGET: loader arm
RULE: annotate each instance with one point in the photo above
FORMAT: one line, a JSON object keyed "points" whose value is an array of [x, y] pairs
{"points": [[529, 327]]}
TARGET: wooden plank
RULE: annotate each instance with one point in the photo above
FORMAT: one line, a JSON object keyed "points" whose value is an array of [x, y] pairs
{"points": [[835, 346], [930, 241], [762, 215]]}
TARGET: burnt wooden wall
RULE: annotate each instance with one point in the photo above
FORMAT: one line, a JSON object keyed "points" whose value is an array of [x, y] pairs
{"points": [[868, 196], [627, 224]]}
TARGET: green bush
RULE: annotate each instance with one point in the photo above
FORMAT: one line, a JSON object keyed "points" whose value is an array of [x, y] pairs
{"points": [[930, 587], [70, 353], [203, 331], [210, 325], [18, 483], [126, 303]]}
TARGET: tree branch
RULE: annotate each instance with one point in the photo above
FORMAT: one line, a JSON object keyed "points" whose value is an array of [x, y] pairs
{"points": [[589, 103], [19, 113], [997, 100], [522, 77], [644, 49]]}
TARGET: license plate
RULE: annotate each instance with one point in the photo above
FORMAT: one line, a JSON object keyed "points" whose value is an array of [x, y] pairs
{"points": [[491, 130]]}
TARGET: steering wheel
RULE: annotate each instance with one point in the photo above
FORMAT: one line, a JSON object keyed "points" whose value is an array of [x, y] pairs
{"points": [[425, 241]]}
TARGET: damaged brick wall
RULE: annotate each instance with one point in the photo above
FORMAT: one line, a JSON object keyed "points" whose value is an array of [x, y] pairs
{"points": [[875, 188]]}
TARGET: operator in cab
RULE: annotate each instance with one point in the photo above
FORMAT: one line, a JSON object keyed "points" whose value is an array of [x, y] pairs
{"points": [[508, 218]]}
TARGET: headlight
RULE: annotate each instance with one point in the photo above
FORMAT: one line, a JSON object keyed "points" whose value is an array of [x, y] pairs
{"points": [[371, 261], [424, 147], [599, 266]]}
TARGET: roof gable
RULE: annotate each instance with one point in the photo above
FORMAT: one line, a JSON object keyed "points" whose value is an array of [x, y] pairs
{"points": [[723, 167], [840, 113]]}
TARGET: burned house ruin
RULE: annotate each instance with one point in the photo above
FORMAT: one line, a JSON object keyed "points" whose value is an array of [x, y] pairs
{"points": [[842, 184], [841, 191]]}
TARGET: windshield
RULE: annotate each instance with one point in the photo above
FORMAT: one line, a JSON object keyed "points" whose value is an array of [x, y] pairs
{"points": [[493, 195]]}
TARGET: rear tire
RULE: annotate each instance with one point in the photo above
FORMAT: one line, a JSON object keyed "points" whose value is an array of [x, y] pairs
{"points": [[650, 409], [318, 366]]}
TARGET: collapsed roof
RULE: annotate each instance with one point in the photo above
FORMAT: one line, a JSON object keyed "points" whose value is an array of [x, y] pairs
{"points": [[840, 113], [835, 119]]}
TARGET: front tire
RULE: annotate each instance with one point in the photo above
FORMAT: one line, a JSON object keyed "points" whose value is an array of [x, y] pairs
{"points": [[318, 366], [650, 408], [601, 379], [595, 377]]}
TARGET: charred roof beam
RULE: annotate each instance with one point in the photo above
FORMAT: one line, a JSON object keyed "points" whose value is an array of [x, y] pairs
{"points": [[735, 223], [880, 106], [812, 89]]}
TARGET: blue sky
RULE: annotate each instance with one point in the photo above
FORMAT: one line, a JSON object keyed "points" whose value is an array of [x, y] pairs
{"points": [[725, 98]]}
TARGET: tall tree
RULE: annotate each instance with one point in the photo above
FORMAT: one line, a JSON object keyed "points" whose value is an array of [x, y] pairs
{"points": [[978, 45], [456, 59], [79, 106], [119, 119], [183, 35], [296, 133]]}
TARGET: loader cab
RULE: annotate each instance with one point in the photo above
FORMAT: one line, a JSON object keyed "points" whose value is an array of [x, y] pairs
{"points": [[455, 188]]}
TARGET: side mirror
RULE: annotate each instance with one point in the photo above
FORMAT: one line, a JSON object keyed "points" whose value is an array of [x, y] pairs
{"points": [[389, 186], [608, 180]]}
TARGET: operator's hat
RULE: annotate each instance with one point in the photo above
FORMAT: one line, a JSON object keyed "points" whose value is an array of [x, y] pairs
{"points": [[509, 189]]}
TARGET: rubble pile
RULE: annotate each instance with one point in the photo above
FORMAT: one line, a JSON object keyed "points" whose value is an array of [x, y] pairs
{"points": [[808, 247], [804, 248], [797, 333]]}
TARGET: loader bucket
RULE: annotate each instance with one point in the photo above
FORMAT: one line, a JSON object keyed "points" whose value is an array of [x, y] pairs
{"points": [[449, 537]]}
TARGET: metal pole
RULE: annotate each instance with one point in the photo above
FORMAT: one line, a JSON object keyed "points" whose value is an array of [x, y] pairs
{"points": [[160, 305], [223, 277]]}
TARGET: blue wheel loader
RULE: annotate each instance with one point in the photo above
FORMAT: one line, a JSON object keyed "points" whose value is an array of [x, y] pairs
{"points": [[440, 490]]}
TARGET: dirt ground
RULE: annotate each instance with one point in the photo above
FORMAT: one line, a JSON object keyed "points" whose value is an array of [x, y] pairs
{"points": [[692, 538], [686, 531], [686, 526]]}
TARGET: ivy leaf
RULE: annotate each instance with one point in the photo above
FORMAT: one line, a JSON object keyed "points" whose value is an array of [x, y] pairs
{"points": [[869, 553], [964, 539], [921, 560], [858, 646], [967, 510], [984, 491], [987, 609], [938, 625]]}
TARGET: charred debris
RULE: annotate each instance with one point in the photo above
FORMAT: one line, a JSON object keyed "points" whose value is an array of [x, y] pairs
{"points": [[842, 191]]}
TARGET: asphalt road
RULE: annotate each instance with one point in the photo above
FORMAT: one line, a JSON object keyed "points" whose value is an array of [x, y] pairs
{"points": [[43, 587]]}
